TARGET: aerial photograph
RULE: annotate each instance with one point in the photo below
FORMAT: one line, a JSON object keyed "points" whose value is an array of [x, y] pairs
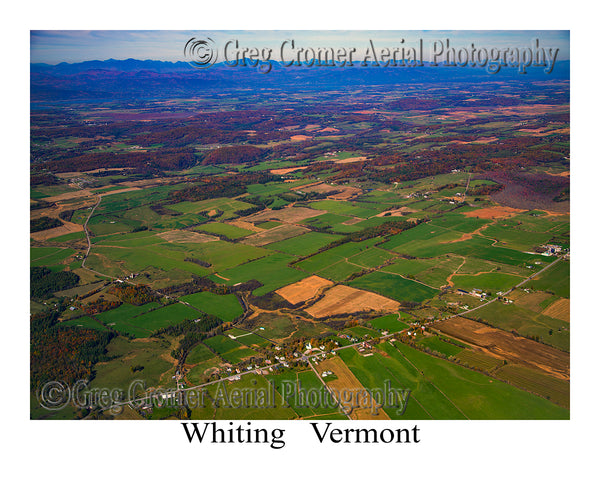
{"points": [[299, 225]]}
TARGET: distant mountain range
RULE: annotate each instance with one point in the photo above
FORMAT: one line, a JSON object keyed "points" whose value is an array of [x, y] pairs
{"points": [[152, 78]]}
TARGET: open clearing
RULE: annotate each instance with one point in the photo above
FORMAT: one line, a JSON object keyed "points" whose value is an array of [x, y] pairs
{"points": [[342, 299], [183, 236], [304, 289], [501, 344], [493, 212]]}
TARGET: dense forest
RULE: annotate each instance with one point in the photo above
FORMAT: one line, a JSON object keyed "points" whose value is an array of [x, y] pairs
{"points": [[63, 353], [44, 282]]}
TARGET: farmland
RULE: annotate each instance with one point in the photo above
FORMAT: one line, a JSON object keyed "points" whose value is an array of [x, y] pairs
{"points": [[291, 241]]}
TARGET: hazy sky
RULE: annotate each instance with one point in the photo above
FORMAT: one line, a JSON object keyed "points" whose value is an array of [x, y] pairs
{"points": [[55, 46]]}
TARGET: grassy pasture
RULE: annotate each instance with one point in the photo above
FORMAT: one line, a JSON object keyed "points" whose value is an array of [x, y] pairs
{"points": [[438, 345], [251, 410], [478, 396], [478, 360], [125, 354], [43, 256], [351, 209], [230, 231], [526, 322], [389, 323], [199, 353], [492, 282], [222, 344], [84, 322], [226, 307], [329, 220], [555, 280], [394, 286], [303, 245], [162, 317], [272, 271]]}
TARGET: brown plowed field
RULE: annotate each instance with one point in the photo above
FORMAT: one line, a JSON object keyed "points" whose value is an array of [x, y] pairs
{"points": [[342, 299], [304, 289], [346, 381], [501, 344]]}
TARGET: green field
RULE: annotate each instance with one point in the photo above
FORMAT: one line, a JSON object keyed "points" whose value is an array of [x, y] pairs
{"points": [[555, 280], [394, 286], [303, 245], [125, 354], [441, 389], [526, 322], [272, 271], [230, 231], [389, 323], [199, 353], [252, 408], [145, 324], [226, 307]]}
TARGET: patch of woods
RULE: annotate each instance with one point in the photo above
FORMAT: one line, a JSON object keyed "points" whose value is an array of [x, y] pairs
{"points": [[133, 294], [44, 282], [60, 353], [193, 331], [66, 215], [203, 284], [234, 154], [43, 223], [44, 179], [212, 187], [162, 159], [485, 189], [197, 261], [99, 306]]}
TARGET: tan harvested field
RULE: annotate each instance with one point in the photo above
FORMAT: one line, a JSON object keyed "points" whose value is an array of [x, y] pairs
{"points": [[66, 228], [351, 160], [299, 138], [531, 300], [347, 382], [338, 192], [303, 290], [342, 299], [485, 140], [272, 235], [560, 309], [245, 225], [184, 236], [493, 212], [505, 345], [285, 215], [283, 171]]}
